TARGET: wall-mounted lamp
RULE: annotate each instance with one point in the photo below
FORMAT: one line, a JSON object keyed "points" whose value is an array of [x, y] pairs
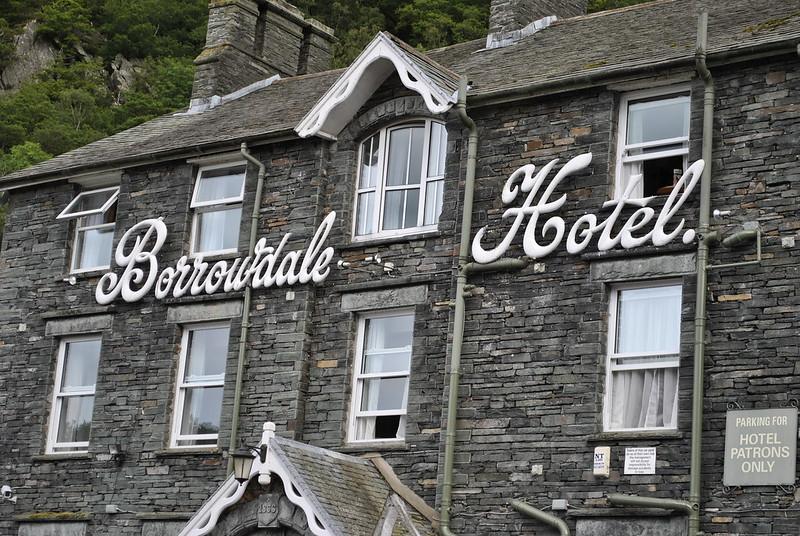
{"points": [[116, 452], [8, 494], [243, 461]]}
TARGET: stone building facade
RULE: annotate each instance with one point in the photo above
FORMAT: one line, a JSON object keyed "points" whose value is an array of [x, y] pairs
{"points": [[354, 369]]}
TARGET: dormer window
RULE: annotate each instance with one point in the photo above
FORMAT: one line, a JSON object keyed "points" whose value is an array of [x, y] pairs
{"points": [[217, 206], [95, 214], [401, 180], [653, 141]]}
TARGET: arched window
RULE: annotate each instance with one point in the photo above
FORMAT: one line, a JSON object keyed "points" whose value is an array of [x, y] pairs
{"points": [[400, 180]]}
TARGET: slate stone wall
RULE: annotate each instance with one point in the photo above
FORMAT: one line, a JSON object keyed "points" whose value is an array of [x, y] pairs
{"points": [[535, 343], [533, 363]]}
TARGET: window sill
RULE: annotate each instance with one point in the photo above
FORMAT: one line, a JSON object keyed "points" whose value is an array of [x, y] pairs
{"points": [[374, 446], [49, 517], [164, 516], [171, 453], [85, 274], [214, 256], [643, 435], [61, 456], [386, 240]]}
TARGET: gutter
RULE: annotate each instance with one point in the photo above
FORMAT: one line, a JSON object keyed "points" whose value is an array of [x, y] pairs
{"points": [[248, 291], [603, 76]]}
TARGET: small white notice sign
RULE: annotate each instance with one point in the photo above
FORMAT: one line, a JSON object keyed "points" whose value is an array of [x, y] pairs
{"points": [[640, 461]]}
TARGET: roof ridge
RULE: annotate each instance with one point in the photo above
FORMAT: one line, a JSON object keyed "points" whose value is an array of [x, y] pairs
{"points": [[614, 11], [319, 450]]}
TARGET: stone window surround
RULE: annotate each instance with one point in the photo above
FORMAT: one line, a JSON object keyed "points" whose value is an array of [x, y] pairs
{"points": [[81, 227], [182, 387], [66, 327], [358, 389], [383, 115], [621, 125], [641, 269], [363, 303], [56, 407], [197, 208], [193, 315]]}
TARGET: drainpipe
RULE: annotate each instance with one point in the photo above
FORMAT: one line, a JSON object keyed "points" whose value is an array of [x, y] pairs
{"points": [[695, 471], [539, 515], [686, 507], [458, 322], [237, 392]]}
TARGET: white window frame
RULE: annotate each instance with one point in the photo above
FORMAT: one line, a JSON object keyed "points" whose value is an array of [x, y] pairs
{"points": [[67, 214], [181, 386], [82, 228], [380, 187], [359, 377], [668, 361], [199, 207], [621, 181], [53, 446]]}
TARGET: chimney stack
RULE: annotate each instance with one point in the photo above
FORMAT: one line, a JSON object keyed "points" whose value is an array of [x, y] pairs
{"points": [[250, 40], [510, 15]]}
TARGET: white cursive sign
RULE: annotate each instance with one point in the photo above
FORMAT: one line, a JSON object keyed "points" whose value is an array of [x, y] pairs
{"points": [[267, 267], [587, 226]]}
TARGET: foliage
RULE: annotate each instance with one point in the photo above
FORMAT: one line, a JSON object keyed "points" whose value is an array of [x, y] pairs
{"points": [[145, 28], [22, 156], [67, 23], [71, 104], [162, 86], [437, 23]]}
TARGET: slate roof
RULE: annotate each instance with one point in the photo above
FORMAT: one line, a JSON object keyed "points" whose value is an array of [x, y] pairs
{"points": [[597, 45], [609, 41], [348, 489]]}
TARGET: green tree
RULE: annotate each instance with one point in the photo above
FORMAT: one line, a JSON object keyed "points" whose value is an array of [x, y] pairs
{"points": [[162, 85], [143, 28], [68, 24], [437, 23], [22, 156]]}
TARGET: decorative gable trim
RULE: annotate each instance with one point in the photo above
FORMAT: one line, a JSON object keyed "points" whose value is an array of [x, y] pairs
{"points": [[230, 492], [369, 70]]}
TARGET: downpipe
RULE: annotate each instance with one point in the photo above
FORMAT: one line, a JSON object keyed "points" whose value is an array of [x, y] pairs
{"points": [[706, 239], [245, 324], [539, 515], [458, 321], [695, 471], [619, 499]]}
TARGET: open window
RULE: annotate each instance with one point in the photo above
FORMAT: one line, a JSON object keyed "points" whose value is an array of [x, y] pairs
{"points": [[95, 214], [653, 141], [400, 180], [381, 374], [643, 357], [217, 209]]}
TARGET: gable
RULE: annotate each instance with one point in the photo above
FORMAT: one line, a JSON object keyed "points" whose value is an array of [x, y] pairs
{"points": [[384, 56]]}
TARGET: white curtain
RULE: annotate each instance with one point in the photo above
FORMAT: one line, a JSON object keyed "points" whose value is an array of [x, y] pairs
{"points": [[649, 320], [645, 398]]}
